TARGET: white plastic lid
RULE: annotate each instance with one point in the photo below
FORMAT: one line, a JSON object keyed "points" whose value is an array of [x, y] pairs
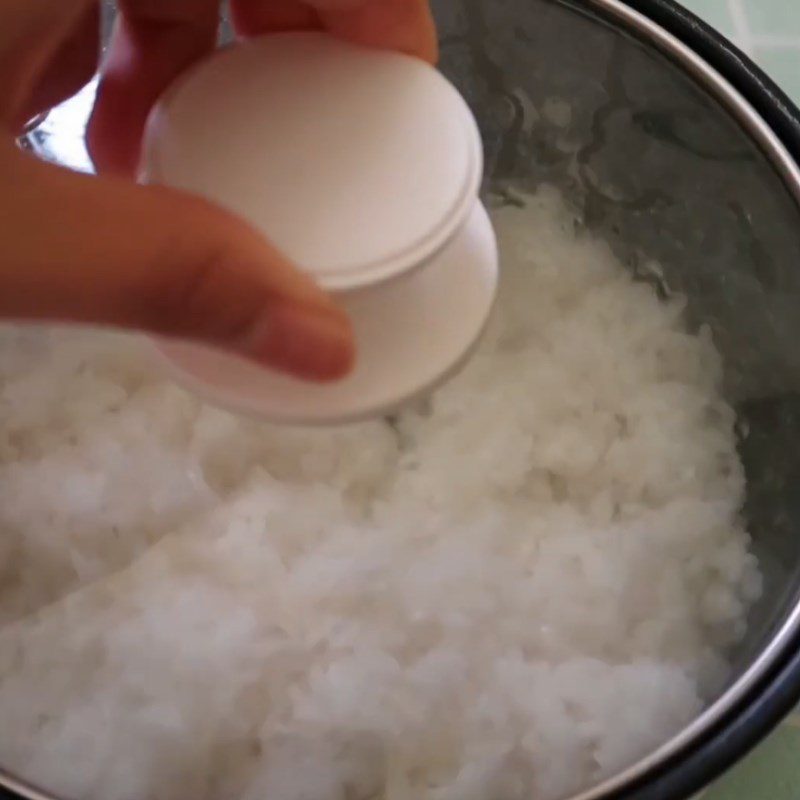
{"points": [[363, 166], [357, 163]]}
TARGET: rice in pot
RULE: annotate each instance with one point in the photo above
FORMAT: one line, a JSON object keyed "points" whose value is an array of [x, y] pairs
{"points": [[510, 591]]}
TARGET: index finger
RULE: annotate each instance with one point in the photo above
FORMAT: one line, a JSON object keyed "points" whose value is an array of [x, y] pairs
{"points": [[403, 25], [153, 42]]}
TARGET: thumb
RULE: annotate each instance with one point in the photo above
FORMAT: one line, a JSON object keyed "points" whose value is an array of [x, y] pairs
{"points": [[106, 252]]}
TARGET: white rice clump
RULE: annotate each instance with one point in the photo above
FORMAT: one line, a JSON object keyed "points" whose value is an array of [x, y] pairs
{"points": [[509, 592]]}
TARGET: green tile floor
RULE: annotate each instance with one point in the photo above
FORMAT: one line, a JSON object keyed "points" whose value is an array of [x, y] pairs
{"points": [[769, 32]]}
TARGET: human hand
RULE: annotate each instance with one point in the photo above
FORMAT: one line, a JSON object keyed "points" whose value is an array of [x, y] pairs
{"points": [[104, 251]]}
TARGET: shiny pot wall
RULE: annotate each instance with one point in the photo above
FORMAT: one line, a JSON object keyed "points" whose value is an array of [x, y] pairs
{"points": [[674, 148]]}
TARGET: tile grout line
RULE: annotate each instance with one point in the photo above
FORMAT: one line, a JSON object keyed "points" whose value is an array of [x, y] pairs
{"points": [[741, 26]]}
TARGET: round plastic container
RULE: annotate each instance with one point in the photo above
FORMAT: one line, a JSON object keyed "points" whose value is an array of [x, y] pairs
{"points": [[364, 167]]}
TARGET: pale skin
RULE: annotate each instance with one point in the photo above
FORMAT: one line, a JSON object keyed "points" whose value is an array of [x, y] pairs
{"points": [[104, 251]]}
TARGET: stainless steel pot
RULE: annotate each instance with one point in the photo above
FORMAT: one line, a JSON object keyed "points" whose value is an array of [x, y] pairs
{"points": [[673, 146]]}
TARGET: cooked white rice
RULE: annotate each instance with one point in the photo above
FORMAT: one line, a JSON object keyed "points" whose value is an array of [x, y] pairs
{"points": [[509, 592]]}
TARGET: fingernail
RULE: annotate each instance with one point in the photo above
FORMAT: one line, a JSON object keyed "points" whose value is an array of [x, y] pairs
{"points": [[309, 343]]}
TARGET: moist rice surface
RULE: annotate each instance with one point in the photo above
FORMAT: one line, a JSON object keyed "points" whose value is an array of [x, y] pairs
{"points": [[509, 591]]}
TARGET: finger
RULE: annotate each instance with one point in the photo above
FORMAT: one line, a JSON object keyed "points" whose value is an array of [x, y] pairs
{"points": [[153, 42], [31, 33], [71, 68], [403, 25], [251, 18], [149, 258]]}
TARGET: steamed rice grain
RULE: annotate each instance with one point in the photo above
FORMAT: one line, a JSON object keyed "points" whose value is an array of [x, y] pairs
{"points": [[510, 591]]}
